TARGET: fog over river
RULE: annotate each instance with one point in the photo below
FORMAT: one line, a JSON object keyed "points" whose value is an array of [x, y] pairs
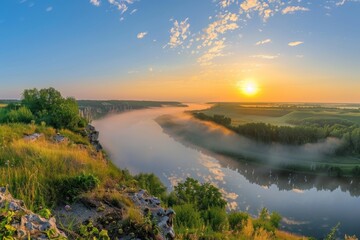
{"points": [[309, 205]]}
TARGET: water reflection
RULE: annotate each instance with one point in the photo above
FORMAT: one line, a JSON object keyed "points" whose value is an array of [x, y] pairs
{"points": [[218, 139]]}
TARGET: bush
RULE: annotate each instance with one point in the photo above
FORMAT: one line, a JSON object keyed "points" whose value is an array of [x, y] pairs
{"points": [[237, 220], [151, 183], [21, 115], [187, 216], [216, 218], [70, 188]]}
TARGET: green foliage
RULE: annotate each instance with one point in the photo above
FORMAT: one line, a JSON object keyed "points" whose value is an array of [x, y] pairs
{"points": [[275, 219], [45, 213], [219, 119], [187, 217], [267, 221], [204, 195], [7, 231], [89, 231], [21, 115], [75, 137], [237, 220], [216, 218], [71, 187], [50, 107], [151, 183], [332, 233]]}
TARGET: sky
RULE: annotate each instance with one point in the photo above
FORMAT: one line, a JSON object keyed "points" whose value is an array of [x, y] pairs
{"points": [[183, 50]]}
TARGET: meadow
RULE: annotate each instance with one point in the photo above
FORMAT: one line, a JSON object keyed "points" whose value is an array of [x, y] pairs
{"points": [[287, 114]]}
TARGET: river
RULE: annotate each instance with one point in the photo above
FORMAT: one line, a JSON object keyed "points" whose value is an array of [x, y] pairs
{"points": [[309, 205]]}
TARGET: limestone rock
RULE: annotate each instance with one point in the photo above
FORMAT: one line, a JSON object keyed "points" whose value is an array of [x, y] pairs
{"points": [[28, 225]]}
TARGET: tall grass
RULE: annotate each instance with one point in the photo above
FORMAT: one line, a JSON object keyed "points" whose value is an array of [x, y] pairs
{"points": [[31, 169]]}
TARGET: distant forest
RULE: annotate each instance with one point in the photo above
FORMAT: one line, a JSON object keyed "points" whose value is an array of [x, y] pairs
{"points": [[302, 133]]}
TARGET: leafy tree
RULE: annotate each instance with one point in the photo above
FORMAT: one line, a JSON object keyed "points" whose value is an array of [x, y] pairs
{"points": [[50, 107], [204, 195], [151, 183]]}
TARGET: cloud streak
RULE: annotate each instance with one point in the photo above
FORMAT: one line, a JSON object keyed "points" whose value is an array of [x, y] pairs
{"points": [[263, 42], [293, 9], [268, 57], [141, 35], [296, 43]]}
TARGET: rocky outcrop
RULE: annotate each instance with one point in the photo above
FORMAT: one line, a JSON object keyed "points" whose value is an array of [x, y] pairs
{"points": [[163, 217], [20, 223], [93, 136]]}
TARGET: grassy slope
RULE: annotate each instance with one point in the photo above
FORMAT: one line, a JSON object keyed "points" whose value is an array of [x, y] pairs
{"points": [[30, 168]]}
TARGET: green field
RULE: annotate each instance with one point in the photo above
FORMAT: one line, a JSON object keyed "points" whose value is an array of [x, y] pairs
{"points": [[287, 114]]}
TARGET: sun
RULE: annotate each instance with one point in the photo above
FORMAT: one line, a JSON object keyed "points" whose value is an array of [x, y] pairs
{"points": [[248, 87]]}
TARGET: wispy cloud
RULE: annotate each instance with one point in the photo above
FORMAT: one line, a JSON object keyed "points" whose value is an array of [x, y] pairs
{"points": [[268, 57], [121, 5], [213, 40], [141, 35], [264, 9], [292, 9], [179, 33], [224, 23], [340, 3], [214, 51], [296, 43], [95, 2], [225, 3], [263, 42], [133, 11], [49, 9]]}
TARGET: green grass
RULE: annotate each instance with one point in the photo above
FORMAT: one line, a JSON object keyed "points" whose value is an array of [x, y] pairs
{"points": [[282, 116], [29, 169]]}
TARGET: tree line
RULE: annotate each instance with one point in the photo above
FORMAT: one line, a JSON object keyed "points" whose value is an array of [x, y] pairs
{"points": [[294, 135]]}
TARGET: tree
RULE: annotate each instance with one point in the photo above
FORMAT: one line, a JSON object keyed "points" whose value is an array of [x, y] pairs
{"points": [[49, 106], [204, 195], [151, 183]]}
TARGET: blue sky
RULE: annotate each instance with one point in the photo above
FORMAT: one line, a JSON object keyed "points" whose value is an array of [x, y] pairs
{"points": [[182, 49]]}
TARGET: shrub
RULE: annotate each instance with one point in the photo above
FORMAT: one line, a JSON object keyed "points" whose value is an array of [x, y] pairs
{"points": [[151, 183], [70, 188], [187, 216], [216, 218], [237, 219]]}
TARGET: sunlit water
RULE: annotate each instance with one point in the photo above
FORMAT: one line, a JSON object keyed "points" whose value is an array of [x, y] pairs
{"points": [[309, 206]]}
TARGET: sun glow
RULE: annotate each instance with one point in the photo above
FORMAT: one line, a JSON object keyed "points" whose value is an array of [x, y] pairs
{"points": [[248, 87]]}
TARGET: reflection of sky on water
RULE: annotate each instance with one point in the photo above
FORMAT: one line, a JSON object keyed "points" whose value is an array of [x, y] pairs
{"points": [[136, 142]]}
